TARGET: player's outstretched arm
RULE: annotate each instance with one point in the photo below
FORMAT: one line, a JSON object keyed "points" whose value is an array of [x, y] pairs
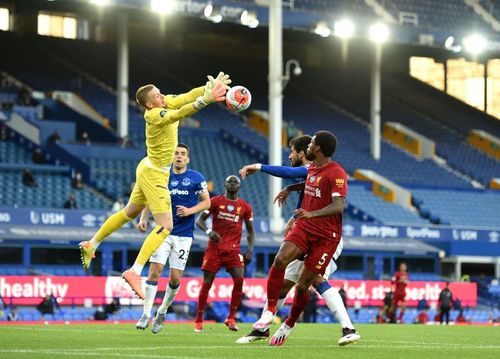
{"points": [[277, 171], [177, 101], [285, 171], [161, 117]]}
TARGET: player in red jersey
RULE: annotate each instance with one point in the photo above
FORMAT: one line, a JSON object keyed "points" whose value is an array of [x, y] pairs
{"points": [[314, 237], [228, 213], [399, 281]]}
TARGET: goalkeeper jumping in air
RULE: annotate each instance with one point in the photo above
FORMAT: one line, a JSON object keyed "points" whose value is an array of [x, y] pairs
{"points": [[162, 115]]}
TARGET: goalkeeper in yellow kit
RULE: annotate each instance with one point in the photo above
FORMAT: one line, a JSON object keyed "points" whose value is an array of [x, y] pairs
{"points": [[162, 115]]}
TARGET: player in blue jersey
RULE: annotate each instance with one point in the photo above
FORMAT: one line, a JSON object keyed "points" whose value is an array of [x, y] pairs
{"points": [[298, 170], [188, 190]]}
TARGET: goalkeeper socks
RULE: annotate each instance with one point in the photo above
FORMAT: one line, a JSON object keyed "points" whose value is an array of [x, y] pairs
{"points": [[274, 283], [298, 306], [202, 302], [150, 245], [235, 297], [168, 298], [150, 294], [113, 223], [336, 306], [279, 305]]}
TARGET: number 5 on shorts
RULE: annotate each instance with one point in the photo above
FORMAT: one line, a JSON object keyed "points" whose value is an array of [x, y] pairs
{"points": [[323, 259]]}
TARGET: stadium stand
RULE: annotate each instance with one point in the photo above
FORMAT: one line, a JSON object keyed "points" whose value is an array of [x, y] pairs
{"points": [[362, 198], [443, 14], [399, 105], [357, 7], [491, 7], [53, 182], [454, 207]]}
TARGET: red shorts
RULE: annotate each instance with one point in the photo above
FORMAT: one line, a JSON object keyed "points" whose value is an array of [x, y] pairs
{"points": [[399, 297], [214, 259], [318, 251]]}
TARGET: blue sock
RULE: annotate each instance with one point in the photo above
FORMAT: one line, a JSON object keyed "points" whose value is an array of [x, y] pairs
{"points": [[323, 287], [152, 282], [172, 286]]}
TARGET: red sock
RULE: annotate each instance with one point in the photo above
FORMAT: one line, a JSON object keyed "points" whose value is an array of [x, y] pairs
{"points": [[202, 302], [235, 297], [401, 314], [275, 281], [298, 306]]}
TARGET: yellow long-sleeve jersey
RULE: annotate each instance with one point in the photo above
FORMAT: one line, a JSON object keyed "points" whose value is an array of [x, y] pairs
{"points": [[162, 126]]}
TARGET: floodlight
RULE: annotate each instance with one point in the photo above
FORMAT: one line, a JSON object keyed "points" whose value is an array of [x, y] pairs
{"points": [[379, 32], [475, 44], [162, 6], [344, 28]]}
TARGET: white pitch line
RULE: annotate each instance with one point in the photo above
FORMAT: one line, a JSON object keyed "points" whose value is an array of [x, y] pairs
{"points": [[252, 347], [64, 352]]}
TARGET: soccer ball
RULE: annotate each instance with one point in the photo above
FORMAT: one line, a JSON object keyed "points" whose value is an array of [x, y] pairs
{"points": [[238, 98]]}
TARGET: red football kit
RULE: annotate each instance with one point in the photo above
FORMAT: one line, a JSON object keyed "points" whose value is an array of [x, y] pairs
{"points": [[319, 237], [400, 281], [227, 220]]}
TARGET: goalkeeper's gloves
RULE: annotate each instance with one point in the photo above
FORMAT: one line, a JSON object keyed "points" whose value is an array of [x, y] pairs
{"points": [[221, 78], [211, 95]]}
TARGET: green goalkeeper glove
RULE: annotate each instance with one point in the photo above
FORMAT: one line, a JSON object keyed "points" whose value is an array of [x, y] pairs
{"points": [[211, 95], [221, 78]]}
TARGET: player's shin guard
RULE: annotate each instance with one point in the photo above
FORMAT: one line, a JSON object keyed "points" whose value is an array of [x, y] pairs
{"points": [[150, 245], [168, 298], [202, 302], [112, 224], [335, 304], [150, 294], [235, 297], [298, 306], [275, 281]]}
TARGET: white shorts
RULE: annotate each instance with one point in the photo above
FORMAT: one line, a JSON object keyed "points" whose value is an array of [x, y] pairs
{"points": [[294, 269], [174, 249]]}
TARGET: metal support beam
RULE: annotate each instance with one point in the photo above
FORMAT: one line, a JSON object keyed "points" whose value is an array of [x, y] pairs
{"points": [[375, 101], [275, 107], [122, 78]]}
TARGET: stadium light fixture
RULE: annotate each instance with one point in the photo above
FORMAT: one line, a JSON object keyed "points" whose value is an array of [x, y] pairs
{"points": [[249, 18], [208, 10], [344, 28], [100, 2], [449, 42], [297, 71], [379, 32], [475, 44], [322, 30], [163, 7], [217, 18], [245, 17], [253, 23]]}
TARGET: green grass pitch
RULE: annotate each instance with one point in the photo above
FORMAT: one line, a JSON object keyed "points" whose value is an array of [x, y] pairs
{"points": [[310, 341]]}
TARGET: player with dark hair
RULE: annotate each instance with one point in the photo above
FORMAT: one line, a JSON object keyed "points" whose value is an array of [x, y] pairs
{"points": [[228, 212], [162, 115], [299, 163], [188, 189], [315, 236], [399, 282]]}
